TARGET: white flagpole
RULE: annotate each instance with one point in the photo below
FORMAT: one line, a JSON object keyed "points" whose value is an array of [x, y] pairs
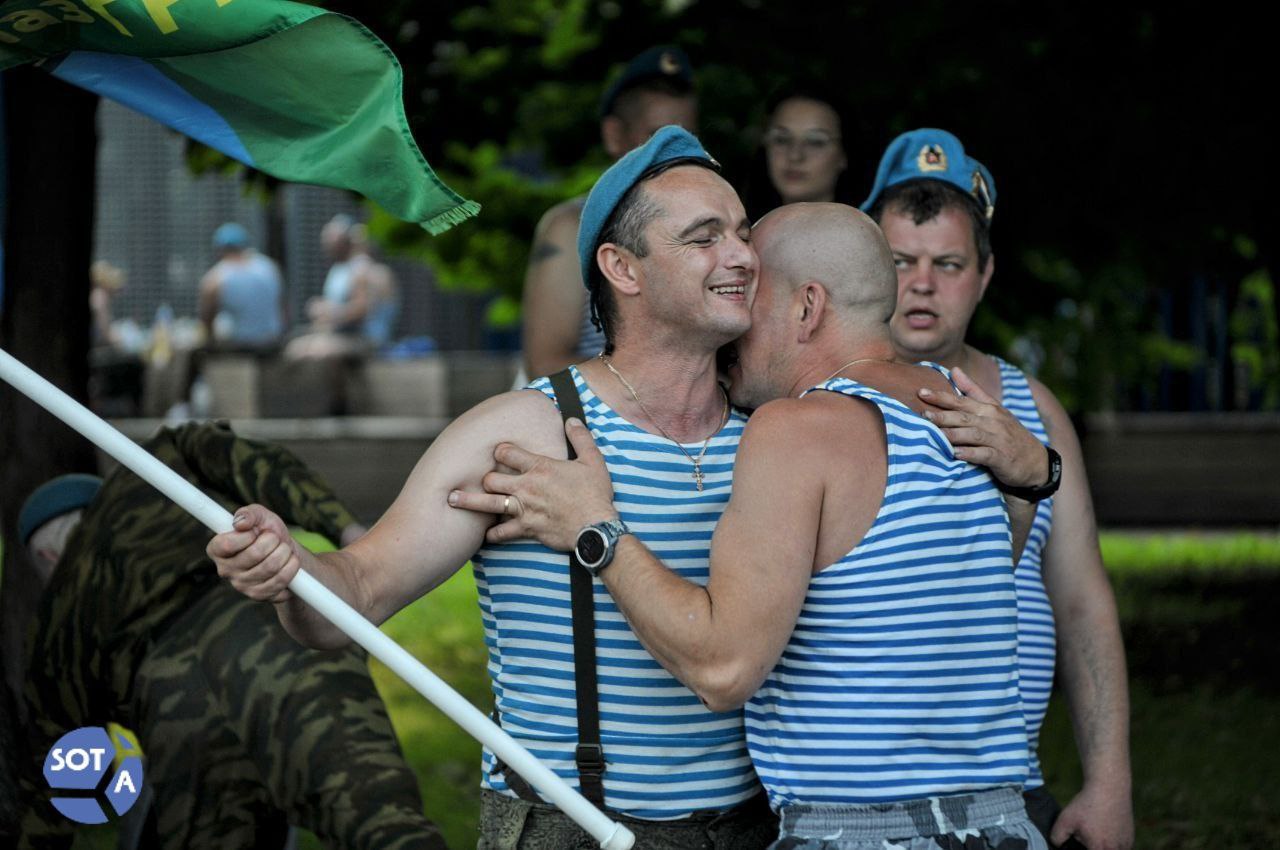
{"points": [[611, 835]]}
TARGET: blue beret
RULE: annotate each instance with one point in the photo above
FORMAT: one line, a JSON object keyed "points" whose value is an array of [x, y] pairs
{"points": [[929, 154], [53, 498], [662, 62], [230, 235], [665, 148]]}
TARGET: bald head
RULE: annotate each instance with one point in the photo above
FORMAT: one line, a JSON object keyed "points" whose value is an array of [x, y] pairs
{"points": [[834, 245]]}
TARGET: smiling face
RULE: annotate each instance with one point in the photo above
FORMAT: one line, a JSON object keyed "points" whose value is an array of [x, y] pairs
{"points": [[939, 282], [696, 280], [802, 147]]}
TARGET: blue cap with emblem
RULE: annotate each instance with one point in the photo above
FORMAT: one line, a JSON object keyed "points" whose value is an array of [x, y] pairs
{"points": [[667, 148], [663, 62], [930, 154], [54, 498]]}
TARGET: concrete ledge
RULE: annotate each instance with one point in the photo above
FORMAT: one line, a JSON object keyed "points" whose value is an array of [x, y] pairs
{"points": [[366, 459], [1217, 469]]}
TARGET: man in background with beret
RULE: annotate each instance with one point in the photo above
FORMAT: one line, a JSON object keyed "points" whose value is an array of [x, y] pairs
{"points": [[664, 250], [244, 731], [655, 89], [935, 204]]}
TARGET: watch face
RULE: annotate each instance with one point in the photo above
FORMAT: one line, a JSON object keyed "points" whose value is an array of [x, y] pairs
{"points": [[591, 546]]}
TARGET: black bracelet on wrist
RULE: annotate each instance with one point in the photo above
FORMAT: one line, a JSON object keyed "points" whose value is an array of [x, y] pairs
{"points": [[1040, 491]]}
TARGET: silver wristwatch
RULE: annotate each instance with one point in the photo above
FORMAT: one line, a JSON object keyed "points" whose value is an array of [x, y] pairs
{"points": [[596, 544]]}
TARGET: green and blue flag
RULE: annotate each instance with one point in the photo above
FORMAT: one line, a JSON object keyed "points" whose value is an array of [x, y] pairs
{"points": [[295, 91]]}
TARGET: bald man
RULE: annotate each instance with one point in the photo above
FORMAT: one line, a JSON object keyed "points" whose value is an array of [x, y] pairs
{"points": [[861, 601]]}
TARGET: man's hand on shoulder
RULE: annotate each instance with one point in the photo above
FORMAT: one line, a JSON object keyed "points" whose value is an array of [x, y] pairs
{"points": [[983, 432], [546, 499]]}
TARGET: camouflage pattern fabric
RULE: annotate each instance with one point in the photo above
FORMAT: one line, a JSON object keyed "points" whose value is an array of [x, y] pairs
{"points": [[244, 729], [507, 823], [988, 820]]}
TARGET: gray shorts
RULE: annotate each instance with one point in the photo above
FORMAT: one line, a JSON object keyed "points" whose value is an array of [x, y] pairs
{"points": [[507, 823], [985, 820]]}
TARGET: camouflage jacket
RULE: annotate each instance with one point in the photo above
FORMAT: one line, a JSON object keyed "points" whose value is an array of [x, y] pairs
{"points": [[136, 563]]}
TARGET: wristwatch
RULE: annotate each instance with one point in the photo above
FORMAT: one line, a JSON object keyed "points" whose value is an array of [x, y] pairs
{"points": [[1038, 492], [596, 544]]}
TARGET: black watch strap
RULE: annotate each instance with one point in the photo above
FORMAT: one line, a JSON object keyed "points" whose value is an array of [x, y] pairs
{"points": [[1039, 492]]}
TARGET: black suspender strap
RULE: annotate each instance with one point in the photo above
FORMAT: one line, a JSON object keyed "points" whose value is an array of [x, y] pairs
{"points": [[589, 755]]}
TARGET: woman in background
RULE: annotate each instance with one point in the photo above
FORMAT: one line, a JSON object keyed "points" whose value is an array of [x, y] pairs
{"points": [[802, 155]]}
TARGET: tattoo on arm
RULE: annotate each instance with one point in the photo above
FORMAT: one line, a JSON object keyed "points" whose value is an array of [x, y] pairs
{"points": [[543, 251]]}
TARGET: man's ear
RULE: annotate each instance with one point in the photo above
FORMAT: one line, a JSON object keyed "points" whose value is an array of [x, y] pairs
{"points": [[986, 275], [618, 265], [613, 134], [811, 302]]}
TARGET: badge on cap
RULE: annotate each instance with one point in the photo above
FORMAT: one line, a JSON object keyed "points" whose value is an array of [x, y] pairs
{"points": [[983, 194], [932, 158], [669, 64]]}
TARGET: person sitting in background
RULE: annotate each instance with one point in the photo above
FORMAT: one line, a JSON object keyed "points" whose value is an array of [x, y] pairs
{"points": [[655, 89], [357, 308], [107, 281], [802, 155], [241, 301]]}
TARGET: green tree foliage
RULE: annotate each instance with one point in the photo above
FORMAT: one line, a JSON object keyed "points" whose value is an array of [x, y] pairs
{"points": [[1121, 137]]}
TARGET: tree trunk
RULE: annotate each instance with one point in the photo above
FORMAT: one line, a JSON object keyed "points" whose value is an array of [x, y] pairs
{"points": [[51, 142]]}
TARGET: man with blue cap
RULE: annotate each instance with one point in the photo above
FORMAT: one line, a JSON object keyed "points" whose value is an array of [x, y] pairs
{"points": [[935, 204], [241, 301], [653, 90], [665, 253]]}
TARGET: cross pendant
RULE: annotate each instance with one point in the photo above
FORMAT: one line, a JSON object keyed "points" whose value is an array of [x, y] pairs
{"points": [[697, 475]]}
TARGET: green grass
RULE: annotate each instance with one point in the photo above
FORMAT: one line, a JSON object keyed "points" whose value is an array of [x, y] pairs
{"points": [[1127, 552], [1203, 642]]}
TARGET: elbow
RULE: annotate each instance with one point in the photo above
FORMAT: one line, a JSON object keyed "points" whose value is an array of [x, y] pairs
{"points": [[726, 686]]}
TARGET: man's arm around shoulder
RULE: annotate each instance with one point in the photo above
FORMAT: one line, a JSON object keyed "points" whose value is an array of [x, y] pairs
{"points": [[722, 640]]}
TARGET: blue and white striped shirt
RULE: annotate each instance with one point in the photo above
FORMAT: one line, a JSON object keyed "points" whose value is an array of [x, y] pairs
{"points": [[1036, 637], [667, 755], [900, 680]]}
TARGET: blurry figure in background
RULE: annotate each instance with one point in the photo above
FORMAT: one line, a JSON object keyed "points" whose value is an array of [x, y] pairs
{"points": [[116, 370], [802, 155], [244, 731], [107, 281], [654, 90], [358, 306], [241, 301]]}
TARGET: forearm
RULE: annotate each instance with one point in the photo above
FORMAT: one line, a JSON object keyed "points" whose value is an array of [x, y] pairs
{"points": [[674, 620], [337, 572], [1093, 669]]}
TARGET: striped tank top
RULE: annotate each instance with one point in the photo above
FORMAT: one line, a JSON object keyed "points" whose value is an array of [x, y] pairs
{"points": [[1036, 638], [667, 755], [901, 678]]}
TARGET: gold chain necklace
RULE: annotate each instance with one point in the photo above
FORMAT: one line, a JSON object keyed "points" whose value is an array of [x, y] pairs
{"points": [[852, 362], [697, 461]]}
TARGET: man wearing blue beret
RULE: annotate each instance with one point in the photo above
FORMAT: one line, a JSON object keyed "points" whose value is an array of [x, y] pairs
{"points": [[935, 204], [664, 250], [653, 90]]}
